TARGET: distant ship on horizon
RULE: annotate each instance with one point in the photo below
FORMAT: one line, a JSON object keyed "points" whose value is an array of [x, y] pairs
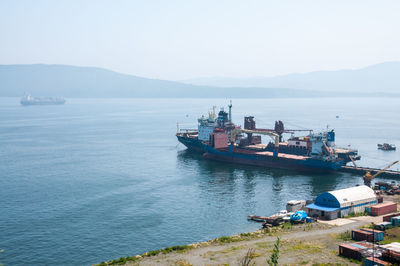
{"points": [[29, 100]]}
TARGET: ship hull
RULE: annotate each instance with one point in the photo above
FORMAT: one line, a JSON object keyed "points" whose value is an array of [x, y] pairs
{"points": [[193, 144], [306, 164], [40, 102]]}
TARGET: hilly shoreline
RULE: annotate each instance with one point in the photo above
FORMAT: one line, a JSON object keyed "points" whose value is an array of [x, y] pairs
{"points": [[93, 82]]}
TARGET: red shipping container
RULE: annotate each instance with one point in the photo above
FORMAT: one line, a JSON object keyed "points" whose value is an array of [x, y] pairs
{"points": [[220, 140], [360, 235], [349, 251], [387, 218], [383, 208], [378, 233]]}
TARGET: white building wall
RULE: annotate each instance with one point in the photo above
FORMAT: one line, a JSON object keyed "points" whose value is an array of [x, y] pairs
{"points": [[357, 209]]}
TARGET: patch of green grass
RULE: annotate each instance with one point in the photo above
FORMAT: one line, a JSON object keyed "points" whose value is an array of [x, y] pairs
{"points": [[370, 226], [183, 263], [286, 226], [264, 244], [231, 249], [176, 248], [227, 239], [151, 253], [353, 214], [245, 234], [305, 247], [353, 260], [309, 227], [344, 236], [119, 261], [391, 235]]}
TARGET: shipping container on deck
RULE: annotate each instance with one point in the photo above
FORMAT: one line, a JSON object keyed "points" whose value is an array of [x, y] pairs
{"points": [[349, 251], [378, 235], [371, 261], [219, 140], [360, 235], [383, 208], [387, 218]]}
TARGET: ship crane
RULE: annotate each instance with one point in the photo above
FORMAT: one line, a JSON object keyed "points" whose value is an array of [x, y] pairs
{"points": [[352, 160], [278, 129], [368, 177], [273, 135]]}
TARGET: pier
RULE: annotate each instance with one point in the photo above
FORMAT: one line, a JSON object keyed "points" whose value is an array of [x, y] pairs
{"points": [[363, 170]]}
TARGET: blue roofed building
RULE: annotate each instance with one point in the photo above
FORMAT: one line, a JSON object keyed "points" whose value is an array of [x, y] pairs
{"points": [[339, 203]]}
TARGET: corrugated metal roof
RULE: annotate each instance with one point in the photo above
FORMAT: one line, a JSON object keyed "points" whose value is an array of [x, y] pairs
{"points": [[321, 208], [395, 246], [353, 194]]}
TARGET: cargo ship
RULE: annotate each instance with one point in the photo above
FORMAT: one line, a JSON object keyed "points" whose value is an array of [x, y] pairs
{"points": [[223, 146], [29, 100], [193, 139], [230, 153]]}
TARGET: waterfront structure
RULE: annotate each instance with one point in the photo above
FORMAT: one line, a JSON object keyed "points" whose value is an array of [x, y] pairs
{"points": [[339, 203]]}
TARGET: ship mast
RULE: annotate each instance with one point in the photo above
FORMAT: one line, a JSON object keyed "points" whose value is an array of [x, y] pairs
{"points": [[230, 112]]}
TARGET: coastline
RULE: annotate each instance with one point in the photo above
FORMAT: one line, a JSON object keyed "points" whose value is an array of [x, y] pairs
{"points": [[316, 243], [304, 244]]}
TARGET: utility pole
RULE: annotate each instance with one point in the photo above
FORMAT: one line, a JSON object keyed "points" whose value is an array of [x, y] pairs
{"points": [[373, 242]]}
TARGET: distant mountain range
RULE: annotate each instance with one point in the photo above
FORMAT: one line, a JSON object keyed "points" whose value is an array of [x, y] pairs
{"points": [[73, 81], [384, 77]]}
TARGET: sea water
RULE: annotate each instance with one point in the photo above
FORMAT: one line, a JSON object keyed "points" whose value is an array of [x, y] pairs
{"points": [[97, 179]]}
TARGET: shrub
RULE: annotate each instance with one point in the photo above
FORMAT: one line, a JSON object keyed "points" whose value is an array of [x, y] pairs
{"points": [[273, 260]]}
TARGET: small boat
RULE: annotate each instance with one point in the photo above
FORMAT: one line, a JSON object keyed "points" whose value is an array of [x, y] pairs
{"points": [[387, 147], [269, 219], [257, 218]]}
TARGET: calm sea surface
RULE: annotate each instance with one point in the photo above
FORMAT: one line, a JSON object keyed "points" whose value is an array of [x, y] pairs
{"points": [[97, 179]]}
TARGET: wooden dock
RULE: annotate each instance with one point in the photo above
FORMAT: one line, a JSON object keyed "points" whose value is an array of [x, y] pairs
{"points": [[363, 170]]}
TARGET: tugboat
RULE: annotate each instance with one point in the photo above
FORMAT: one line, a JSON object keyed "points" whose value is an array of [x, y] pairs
{"points": [[387, 147]]}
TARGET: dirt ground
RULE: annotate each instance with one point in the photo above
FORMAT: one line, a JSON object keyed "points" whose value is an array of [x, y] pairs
{"points": [[301, 245], [309, 244]]}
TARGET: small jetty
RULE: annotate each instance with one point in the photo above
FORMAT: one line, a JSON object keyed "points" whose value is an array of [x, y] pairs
{"points": [[363, 170]]}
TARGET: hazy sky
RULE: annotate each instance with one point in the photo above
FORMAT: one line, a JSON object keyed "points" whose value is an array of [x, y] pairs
{"points": [[185, 39]]}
